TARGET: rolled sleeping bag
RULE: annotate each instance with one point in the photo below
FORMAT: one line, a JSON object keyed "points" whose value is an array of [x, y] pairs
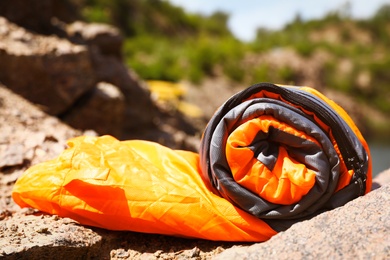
{"points": [[270, 156], [284, 154]]}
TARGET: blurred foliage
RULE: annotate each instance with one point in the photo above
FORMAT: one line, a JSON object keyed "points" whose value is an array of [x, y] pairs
{"points": [[163, 42]]}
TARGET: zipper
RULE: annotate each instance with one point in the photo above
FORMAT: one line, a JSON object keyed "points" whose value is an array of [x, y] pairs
{"points": [[341, 135]]}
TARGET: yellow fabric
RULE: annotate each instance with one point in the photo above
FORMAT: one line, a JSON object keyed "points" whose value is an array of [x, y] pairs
{"points": [[134, 185]]}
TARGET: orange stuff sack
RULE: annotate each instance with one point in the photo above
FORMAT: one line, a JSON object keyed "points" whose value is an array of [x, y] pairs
{"points": [[270, 156]]}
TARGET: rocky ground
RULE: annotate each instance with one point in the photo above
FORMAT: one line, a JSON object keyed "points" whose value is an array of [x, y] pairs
{"points": [[358, 230]]}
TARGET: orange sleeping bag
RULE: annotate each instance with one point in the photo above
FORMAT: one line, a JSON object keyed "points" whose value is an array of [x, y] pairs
{"points": [[270, 156]]}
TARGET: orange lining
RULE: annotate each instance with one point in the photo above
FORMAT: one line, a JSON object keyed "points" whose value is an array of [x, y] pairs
{"points": [[287, 182]]}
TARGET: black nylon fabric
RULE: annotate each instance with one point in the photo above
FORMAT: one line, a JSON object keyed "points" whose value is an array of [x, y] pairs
{"points": [[323, 160]]}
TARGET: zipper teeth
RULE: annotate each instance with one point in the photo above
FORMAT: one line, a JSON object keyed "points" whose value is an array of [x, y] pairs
{"points": [[352, 159], [339, 132]]}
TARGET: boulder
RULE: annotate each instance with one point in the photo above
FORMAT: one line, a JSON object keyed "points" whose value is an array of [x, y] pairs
{"points": [[38, 15], [106, 38], [36, 236], [47, 70], [101, 109], [28, 135], [105, 45], [61, 77], [358, 230], [34, 16], [381, 179], [140, 111]]}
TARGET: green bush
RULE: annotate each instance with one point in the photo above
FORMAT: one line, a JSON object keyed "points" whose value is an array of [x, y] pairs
{"points": [[96, 14], [336, 80], [286, 75], [192, 59], [305, 48], [153, 58], [261, 74]]}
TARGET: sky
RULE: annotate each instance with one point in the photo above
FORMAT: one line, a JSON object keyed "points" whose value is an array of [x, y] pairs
{"points": [[248, 15]]}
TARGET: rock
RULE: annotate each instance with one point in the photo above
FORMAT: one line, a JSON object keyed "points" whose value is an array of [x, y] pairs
{"points": [[27, 234], [140, 111], [61, 76], [106, 38], [28, 136], [34, 16], [11, 155], [358, 230], [27, 133], [37, 15], [47, 70], [381, 179], [101, 109], [46, 235], [105, 43]]}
